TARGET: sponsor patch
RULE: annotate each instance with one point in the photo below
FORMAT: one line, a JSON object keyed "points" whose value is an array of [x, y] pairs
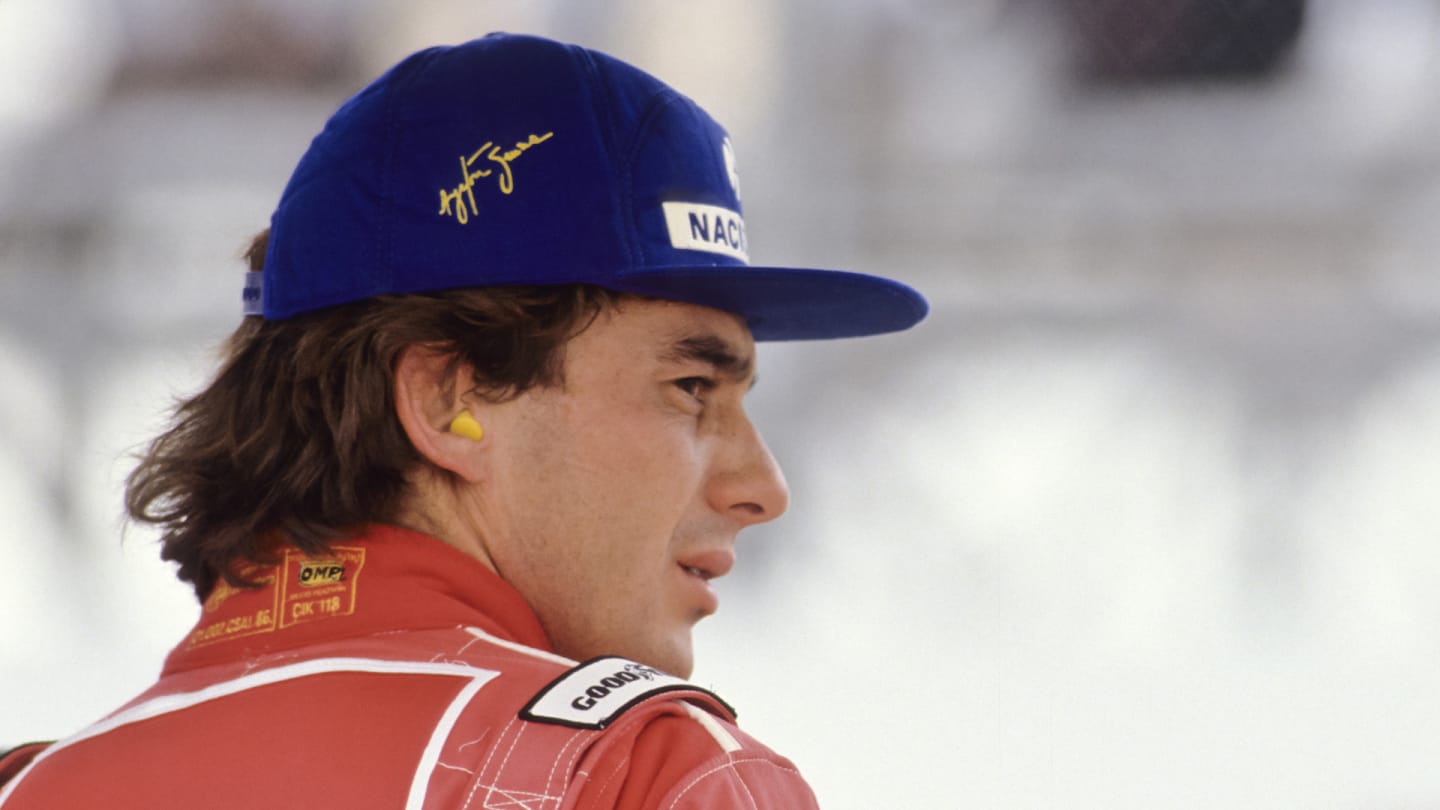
{"points": [[302, 589], [319, 588], [314, 574], [727, 152], [710, 228], [596, 692], [254, 294], [253, 611]]}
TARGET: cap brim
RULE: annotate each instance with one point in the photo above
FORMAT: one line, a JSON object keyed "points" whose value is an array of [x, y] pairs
{"points": [[787, 303]]}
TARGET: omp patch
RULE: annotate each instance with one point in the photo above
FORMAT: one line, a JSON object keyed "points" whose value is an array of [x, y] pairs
{"points": [[596, 692], [319, 588], [325, 572]]}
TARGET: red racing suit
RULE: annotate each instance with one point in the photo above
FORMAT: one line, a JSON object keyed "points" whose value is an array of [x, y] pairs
{"points": [[400, 673]]}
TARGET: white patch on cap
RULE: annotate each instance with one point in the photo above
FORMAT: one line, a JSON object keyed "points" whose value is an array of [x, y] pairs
{"points": [[710, 228], [254, 295], [727, 150]]}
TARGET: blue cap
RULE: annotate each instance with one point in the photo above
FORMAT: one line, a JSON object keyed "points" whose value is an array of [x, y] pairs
{"points": [[516, 160]]}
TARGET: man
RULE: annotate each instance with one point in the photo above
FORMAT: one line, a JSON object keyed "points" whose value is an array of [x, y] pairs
{"points": [[484, 423]]}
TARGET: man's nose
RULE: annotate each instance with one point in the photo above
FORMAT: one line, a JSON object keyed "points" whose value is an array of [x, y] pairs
{"points": [[747, 484]]}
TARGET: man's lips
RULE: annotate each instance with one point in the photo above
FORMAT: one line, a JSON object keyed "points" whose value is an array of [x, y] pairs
{"points": [[708, 565]]}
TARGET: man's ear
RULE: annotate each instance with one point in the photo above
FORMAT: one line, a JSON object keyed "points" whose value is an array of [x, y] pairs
{"points": [[428, 396]]}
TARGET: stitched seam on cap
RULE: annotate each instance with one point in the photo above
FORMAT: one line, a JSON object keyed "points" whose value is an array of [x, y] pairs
{"points": [[610, 143], [386, 238], [658, 103]]}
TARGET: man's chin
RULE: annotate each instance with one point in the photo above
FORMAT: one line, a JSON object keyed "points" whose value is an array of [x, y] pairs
{"points": [[671, 656], [676, 658]]}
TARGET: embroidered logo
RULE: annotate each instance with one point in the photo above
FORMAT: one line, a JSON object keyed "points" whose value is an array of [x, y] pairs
{"points": [[319, 588], [596, 692], [727, 151], [254, 610], [459, 202], [316, 573], [223, 590], [711, 228]]}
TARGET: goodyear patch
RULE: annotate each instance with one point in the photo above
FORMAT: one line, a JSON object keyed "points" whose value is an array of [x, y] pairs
{"points": [[593, 694]]}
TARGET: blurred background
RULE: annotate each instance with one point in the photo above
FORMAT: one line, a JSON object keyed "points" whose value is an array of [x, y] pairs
{"points": [[1145, 514]]}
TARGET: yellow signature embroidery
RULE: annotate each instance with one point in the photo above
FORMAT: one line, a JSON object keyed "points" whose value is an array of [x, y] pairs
{"points": [[459, 202]]}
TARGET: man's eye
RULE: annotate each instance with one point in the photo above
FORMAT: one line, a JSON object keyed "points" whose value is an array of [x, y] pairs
{"points": [[695, 386]]}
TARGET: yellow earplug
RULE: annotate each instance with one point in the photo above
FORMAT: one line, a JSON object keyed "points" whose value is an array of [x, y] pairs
{"points": [[465, 425]]}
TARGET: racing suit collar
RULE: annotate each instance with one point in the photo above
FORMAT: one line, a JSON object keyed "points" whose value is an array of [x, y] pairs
{"points": [[384, 579]]}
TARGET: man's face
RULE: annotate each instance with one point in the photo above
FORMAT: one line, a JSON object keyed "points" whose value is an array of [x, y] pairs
{"points": [[615, 496]]}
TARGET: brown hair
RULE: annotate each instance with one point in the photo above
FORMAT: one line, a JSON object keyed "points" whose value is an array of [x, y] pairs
{"points": [[296, 440]]}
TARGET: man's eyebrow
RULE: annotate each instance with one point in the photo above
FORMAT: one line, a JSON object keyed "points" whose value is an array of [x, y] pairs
{"points": [[715, 351]]}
